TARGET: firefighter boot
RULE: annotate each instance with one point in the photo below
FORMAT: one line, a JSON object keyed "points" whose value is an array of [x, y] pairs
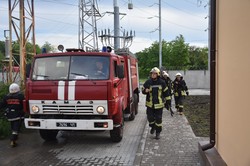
{"points": [[13, 144], [157, 136], [180, 111], [152, 131]]}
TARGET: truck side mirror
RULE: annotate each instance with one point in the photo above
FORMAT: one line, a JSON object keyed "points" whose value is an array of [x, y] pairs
{"points": [[120, 71]]}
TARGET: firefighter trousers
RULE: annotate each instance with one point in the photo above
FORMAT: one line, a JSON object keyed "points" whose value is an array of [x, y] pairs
{"points": [[179, 103], [15, 127], [154, 117]]}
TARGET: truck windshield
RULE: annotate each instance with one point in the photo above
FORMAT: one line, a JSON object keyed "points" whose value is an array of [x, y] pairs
{"points": [[71, 68]]}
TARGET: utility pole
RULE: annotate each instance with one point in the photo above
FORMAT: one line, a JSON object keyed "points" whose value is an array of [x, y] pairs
{"points": [[119, 41], [116, 26], [10, 44], [160, 41]]}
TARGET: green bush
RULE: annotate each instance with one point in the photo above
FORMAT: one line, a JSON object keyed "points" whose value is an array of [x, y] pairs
{"points": [[4, 124], [4, 128]]}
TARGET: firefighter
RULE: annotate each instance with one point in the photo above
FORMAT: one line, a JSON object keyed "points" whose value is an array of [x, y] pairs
{"points": [[100, 69], [180, 91], [13, 104], [166, 78], [156, 93]]}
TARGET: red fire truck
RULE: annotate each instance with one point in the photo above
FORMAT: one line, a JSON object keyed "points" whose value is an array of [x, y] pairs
{"points": [[77, 90]]}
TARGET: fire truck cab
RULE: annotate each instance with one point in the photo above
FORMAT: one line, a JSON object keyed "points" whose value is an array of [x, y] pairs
{"points": [[77, 90]]}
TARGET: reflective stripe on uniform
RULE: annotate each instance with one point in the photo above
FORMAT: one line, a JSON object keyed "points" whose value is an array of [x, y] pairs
{"points": [[157, 86], [149, 104], [158, 125], [159, 99], [152, 122], [158, 106], [165, 89], [168, 98], [13, 119], [15, 132]]}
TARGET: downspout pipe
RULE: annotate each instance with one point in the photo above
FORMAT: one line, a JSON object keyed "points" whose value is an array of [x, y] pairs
{"points": [[212, 76]]}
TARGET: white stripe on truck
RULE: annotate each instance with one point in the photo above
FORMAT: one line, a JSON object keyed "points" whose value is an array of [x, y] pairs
{"points": [[71, 90], [61, 85]]}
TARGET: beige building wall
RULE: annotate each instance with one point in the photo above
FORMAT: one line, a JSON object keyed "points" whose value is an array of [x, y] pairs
{"points": [[233, 81]]}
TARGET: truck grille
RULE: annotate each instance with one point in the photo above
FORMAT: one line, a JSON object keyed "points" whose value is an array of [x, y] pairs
{"points": [[68, 109]]}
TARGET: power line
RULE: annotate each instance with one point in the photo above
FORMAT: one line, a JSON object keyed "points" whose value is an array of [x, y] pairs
{"points": [[184, 11], [52, 20], [59, 2], [166, 20], [195, 4]]}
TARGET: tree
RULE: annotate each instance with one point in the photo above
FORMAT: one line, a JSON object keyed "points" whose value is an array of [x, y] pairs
{"points": [[148, 59], [176, 55], [2, 50], [29, 52], [198, 58], [49, 47]]}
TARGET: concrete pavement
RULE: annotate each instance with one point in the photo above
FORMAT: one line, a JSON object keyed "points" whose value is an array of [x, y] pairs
{"points": [[177, 146]]}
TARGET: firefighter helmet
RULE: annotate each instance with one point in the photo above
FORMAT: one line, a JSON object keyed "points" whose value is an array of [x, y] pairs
{"points": [[14, 88], [165, 74], [178, 74], [155, 70]]}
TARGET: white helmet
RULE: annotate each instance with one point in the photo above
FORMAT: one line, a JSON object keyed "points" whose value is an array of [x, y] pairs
{"points": [[178, 74], [14, 88], [164, 73], [155, 70]]}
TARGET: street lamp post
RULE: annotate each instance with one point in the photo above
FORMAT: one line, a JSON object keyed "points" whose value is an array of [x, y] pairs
{"points": [[160, 41]]}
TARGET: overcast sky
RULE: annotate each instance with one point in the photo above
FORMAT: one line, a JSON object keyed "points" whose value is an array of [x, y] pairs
{"points": [[56, 21]]}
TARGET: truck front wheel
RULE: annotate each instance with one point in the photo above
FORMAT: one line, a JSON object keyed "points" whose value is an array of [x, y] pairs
{"points": [[48, 135], [116, 134]]}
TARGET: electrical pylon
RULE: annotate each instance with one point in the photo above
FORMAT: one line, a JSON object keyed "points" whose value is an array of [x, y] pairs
{"points": [[87, 34], [22, 21]]}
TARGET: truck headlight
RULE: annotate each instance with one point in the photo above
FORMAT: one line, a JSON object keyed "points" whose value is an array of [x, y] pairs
{"points": [[35, 109], [100, 109]]}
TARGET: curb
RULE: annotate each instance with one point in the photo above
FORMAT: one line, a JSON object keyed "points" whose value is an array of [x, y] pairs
{"points": [[141, 148]]}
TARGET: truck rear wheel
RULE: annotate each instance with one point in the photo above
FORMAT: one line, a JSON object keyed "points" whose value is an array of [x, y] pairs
{"points": [[134, 107], [132, 114], [48, 135], [136, 99]]}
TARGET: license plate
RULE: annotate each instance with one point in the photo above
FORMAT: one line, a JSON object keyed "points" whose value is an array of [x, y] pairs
{"points": [[65, 124]]}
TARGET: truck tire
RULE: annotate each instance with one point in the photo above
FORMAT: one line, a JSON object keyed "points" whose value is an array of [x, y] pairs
{"points": [[48, 135], [136, 99], [132, 114], [117, 133]]}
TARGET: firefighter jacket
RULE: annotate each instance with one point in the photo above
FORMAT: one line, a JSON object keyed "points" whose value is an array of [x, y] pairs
{"points": [[169, 85], [180, 88], [13, 102], [158, 93]]}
